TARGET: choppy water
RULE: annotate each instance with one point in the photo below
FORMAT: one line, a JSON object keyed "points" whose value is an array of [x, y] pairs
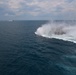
{"points": [[22, 52]]}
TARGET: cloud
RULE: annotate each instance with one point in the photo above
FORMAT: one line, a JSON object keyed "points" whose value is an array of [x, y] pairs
{"points": [[70, 7], [1, 2], [38, 7], [7, 14]]}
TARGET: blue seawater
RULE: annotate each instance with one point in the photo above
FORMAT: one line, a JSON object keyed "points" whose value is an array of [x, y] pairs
{"points": [[22, 52]]}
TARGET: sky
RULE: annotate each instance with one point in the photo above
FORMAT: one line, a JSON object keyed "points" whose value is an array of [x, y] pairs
{"points": [[37, 9]]}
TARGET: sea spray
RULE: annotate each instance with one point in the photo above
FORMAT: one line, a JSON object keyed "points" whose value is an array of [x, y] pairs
{"points": [[58, 30]]}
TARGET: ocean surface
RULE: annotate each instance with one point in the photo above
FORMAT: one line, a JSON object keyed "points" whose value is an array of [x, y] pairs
{"points": [[38, 47]]}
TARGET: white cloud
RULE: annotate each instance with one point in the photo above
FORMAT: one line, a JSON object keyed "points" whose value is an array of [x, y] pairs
{"points": [[34, 13], [6, 14], [1, 2], [50, 6], [15, 4], [36, 7], [70, 7]]}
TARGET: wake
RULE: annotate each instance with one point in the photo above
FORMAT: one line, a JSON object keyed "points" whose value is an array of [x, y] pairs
{"points": [[58, 30]]}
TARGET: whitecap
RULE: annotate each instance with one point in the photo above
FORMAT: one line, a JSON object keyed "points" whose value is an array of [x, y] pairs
{"points": [[58, 30]]}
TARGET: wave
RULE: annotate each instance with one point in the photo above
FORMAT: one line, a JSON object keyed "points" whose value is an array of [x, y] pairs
{"points": [[58, 31]]}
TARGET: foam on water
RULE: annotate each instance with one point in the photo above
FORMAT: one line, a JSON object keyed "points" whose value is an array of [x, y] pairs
{"points": [[58, 30]]}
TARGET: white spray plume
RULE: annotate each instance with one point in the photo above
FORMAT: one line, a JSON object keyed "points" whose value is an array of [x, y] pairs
{"points": [[58, 31]]}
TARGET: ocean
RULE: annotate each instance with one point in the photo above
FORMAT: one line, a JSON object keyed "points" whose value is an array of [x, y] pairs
{"points": [[38, 47]]}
